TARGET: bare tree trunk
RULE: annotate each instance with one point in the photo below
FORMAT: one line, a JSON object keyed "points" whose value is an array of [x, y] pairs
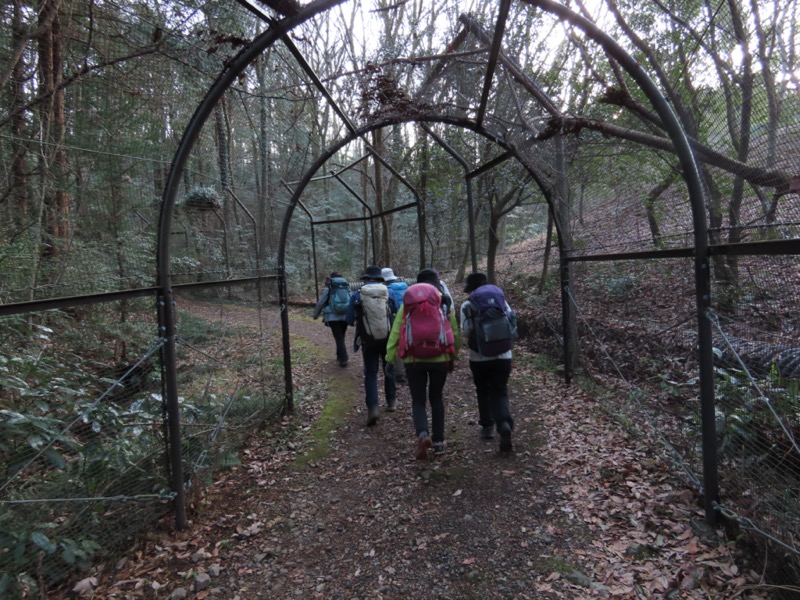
{"points": [[492, 246], [465, 255], [742, 142], [55, 199], [424, 167], [765, 53], [265, 212], [650, 206], [20, 192], [367, 226], [224, 179], [229, 197]]}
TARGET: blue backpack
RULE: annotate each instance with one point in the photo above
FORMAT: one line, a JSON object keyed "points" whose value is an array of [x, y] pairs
{"points": [[493, 328], [396, 291], [338, 295]]}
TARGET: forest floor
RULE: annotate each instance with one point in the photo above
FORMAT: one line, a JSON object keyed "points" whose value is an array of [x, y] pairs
{"points": [[324, 507]]}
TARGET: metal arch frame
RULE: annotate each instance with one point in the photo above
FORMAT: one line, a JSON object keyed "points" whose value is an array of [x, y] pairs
{"points": [[288, 185], [278, 30], [691, 175], [510, 152], [336, 174], [166, 302]]}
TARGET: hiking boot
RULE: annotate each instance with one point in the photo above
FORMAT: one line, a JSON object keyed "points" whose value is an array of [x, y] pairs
{"points": [[342, 363], [372, 416], [438, 448], [422, 446], [391, 406], [505, 437], [487, 432]]}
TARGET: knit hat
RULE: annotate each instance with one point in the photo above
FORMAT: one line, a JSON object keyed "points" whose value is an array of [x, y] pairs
{"points": [[474, 281], [428, 276], [388, 275], [372, 272]]}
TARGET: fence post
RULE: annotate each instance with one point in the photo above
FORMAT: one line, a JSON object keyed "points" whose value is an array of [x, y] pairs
{"points": [[166, 317], [287, 348]]}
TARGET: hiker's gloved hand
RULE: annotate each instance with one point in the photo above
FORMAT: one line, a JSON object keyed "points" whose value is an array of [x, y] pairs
{"points": [[388, 369]]}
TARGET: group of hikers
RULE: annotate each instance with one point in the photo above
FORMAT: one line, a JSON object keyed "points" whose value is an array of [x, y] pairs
{"points": [[410, 333]]}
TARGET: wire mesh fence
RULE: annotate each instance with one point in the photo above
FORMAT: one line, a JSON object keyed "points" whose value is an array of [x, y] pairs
{"points": [[84, 442], [638, 331]]}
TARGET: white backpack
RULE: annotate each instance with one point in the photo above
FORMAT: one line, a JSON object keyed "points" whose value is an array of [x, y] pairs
{"points": [[376, 319]]}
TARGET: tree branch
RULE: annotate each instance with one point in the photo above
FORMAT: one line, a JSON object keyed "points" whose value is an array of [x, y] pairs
{"points": [[781, 181], [77, 75], [44, 25]]}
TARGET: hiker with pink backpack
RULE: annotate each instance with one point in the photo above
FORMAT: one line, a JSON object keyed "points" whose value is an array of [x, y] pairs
{"points": [[425, 335]]}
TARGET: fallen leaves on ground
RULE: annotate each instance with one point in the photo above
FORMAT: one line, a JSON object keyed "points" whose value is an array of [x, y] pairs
{"points": [[581, 509]]}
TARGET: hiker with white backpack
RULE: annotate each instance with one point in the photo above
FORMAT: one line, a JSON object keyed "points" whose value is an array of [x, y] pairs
{"points": [[425, 336], [332, 305], [369, 312]]}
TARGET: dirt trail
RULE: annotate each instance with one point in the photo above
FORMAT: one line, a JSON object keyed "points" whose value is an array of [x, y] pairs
{"points": [[580, 509]]}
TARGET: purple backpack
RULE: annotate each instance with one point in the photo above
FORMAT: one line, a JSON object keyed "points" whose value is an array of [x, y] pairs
{"points": [[493, 329]]}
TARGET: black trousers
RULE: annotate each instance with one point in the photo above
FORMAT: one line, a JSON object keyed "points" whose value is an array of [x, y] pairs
{"points": [[491, 386], [426, 383], [339, 328]]}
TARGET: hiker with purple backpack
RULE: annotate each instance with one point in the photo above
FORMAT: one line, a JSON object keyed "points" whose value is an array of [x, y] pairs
{"points": [[490, 326], [425, 335]]}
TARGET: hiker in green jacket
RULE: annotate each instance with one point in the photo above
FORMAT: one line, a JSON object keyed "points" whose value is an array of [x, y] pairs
{"points": [[425, 336]]}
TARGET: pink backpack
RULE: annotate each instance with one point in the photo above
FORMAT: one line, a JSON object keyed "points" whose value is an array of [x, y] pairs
{"points": [[425, 331]]}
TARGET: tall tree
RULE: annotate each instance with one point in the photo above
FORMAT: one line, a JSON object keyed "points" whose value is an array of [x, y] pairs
{"points": [[53, 158], [19, 191]]}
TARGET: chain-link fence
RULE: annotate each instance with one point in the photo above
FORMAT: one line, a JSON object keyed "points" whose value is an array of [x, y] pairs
{"points": [[84, 437], [635, 299]]}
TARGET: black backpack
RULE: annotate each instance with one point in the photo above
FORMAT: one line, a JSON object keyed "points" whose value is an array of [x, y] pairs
{"points": [[493, 328]]}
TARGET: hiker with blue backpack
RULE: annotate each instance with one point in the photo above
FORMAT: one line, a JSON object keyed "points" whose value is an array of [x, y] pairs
{"points": [[490, 326], [425, 336], [369, 312], [397, 288], [332, 305]]}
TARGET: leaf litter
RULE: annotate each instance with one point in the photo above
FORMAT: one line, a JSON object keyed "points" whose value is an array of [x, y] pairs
{"points": [[580, 509]]}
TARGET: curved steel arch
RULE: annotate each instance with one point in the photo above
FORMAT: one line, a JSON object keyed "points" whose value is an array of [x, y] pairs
{"points": [[166, 313], [702, 268], [319, 163], [278, 30], [551, 192]]}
